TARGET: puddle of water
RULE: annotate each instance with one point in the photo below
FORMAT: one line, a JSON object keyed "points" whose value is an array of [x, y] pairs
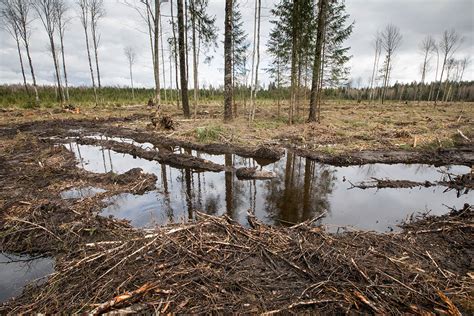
{"points": [[79, 193], [302, 190], [17, 271]]}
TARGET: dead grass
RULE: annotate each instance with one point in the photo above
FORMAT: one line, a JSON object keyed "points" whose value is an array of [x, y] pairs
{"points": [[345, 126]]}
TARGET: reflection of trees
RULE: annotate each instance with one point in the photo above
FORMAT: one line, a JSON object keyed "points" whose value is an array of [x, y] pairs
{"points": [[299, 194], [229, 196], [167, 202]]}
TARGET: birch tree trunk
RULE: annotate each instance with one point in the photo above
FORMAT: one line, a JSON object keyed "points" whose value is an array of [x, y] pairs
{"points": [[84, 20], [175, 47], [259, 2], [163, 61], [61, 38], [156, 53], [294, 59], [17, 40]]}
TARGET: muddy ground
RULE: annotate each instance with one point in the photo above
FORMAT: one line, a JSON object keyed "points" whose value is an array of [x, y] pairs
{"points": [[214, 264]]}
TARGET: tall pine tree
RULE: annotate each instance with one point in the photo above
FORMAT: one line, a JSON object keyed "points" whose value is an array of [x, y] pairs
{"points": [[240, 45], [286, 50]]}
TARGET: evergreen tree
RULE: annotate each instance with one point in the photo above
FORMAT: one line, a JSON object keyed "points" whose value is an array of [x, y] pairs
{"points": [[336, 32], [240, 45], [335, 58]]}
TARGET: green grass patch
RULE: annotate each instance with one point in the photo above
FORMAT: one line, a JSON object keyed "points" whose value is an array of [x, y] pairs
{"points": [[208, 133]]}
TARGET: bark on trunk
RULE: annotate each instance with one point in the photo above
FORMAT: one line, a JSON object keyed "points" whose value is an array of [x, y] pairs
{"points": [[294, 57], [61, 37], [21, 63], [90, 65], [228, 93], [175, 47], [315, 86], [182, 60], [30, 62], [95, 42], [156, 53], [195, 62]]}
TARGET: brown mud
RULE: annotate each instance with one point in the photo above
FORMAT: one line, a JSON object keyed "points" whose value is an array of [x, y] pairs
{"points": [[214, 264], [118, 127]]}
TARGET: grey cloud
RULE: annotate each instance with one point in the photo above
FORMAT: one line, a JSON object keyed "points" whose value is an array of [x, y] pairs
{"points": [[121, 27]]}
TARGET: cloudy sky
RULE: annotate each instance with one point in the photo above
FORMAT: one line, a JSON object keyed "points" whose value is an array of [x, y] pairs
{"points": [[123, 27]]}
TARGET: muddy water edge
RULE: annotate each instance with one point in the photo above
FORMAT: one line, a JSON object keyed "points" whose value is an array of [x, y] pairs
{"points": [[51, 201]]}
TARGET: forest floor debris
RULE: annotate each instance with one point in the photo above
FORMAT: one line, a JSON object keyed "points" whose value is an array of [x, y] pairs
{"points": [[214, 264]]}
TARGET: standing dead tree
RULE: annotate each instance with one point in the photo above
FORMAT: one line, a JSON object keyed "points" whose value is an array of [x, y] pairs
{"points": [[175, 53], [463, 65], [294, 55], [20, 10], [450, 41], [427, 47], [97, 11], [378, 51], [255, 59], [9, 24], [48, 15], [131, 56], [148, 11], [228, 93], [391, 40], [84, 17], [61, 8]]}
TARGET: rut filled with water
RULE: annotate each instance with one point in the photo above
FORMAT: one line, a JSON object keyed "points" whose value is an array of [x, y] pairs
{"points": [[301, 190]]}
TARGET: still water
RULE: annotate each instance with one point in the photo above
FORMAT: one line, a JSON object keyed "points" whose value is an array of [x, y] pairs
{"points": [[302, 190], [17, 271]]}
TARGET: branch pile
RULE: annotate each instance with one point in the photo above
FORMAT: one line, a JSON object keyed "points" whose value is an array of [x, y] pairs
{"points": [[216, 265]]}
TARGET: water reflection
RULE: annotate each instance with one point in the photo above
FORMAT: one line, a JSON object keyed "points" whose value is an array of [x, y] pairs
{"points": [[302, 190], [18, 271]]}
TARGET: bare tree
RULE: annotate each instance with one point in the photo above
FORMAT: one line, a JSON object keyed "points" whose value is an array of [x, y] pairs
{"points": [[61, 8], [432, 86], [182, 60], [20, 10], [255, 59], [175, 52], [84, 17], [97, 11], [195, 58], [316, 86], [427, 47], [48, 15], [148, 12], [294, 56], [378, 52], [9, 24], [449, 43], [391, 40], [163, 72], [228, 93], [463, 65], [131, 56]]}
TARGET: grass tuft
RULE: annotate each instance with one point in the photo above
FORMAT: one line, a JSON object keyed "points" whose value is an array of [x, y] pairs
{"points": [[208, 133]]}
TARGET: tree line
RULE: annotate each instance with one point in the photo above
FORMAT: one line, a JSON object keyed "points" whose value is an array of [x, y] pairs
{"points": [[307, 46]]}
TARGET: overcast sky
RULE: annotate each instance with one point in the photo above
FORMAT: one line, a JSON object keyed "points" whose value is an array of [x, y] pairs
{"points": [[122, 27]]}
